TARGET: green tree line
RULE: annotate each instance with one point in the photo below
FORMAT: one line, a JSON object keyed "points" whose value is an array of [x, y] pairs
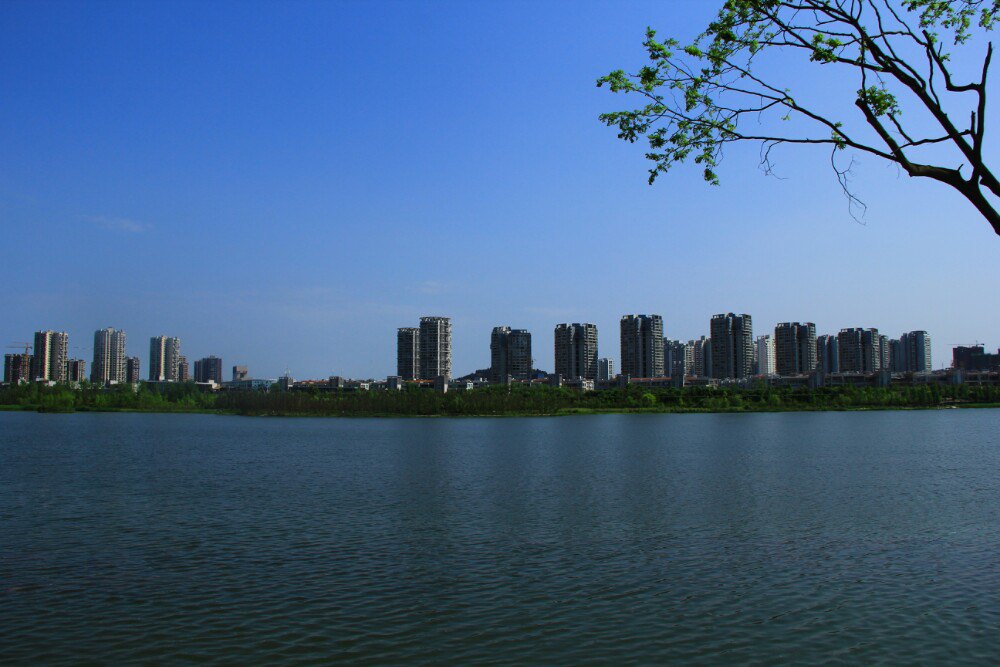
{"points": [[515, 400]]}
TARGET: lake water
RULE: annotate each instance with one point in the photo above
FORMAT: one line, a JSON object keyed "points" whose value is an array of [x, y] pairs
{"points": [[814, 537]]}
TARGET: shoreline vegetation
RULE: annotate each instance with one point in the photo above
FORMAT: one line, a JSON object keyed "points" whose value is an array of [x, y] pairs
{"points": [[489, 401]]}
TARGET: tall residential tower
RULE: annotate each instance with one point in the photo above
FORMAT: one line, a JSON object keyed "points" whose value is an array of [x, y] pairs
{"points": [[795, 348], [642, 346], [164, 359], [435, 347], [576, 351], [408, 353], [510, 354], [50, 355], [732, 346], [109, 365]]}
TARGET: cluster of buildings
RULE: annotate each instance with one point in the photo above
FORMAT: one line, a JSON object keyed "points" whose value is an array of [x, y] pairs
{"points": [[731, 354], [48, 360]]}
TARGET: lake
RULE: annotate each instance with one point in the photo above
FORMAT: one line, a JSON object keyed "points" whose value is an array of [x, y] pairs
{"points": [[855, 537]]}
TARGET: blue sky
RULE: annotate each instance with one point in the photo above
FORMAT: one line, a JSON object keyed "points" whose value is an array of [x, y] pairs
{"points": [[285, 184]]}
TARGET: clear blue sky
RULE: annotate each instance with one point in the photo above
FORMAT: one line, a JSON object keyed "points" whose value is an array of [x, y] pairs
{"points": [[285, 184]]}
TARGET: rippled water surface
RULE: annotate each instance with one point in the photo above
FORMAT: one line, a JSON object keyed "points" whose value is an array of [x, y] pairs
{"points": [[824, 537]]}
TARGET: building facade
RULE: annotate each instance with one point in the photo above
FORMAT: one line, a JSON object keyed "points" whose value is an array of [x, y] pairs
{"points": [[240, 373], [605, 369], [897, 356], [49, 356], [765, 355], [76, 370], [732, 346], [164, 358], [208, 369], [917, 351], [408, 353], [109, 365], [795, 348], [17, 368], [859, 350], [641, 346], [678, 358], [510, 354], [961, 355], [702, 356], [183, 369], [576, 351], [133, 370], [827, 355], [435, 347]]}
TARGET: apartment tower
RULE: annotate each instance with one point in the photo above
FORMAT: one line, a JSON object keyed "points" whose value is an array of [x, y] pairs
{"points": [[435, 347], [408, 353], [795, 348], [576, 351], [164, 358], [917, 351], [510, 354], [50, 355], [732, 346], [208, 369], [859, 350], [109, 365], [17, 368], [702, 356], [827, 355], [765, 355], [642, 346], [133, 370]]}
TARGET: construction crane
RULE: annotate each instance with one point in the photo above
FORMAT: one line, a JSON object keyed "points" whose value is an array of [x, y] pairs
{"points": [[26, 346]]}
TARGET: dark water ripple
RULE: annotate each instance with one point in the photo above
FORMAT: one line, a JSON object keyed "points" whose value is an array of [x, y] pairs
{"points": [[754, 539]]}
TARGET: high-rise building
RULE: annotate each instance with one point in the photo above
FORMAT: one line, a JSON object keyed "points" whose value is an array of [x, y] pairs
{"points": [[917, 351], [17, 368], [240, 373], [702, 352], [765, 355], [408, 353], [435, 347], [732, 346], [183, 370], [859, 350], [576, 351], [208, 369], [133, 370], [827, 354], [76, 370], [510, 354], [605, 369], [962, 355], [885, 353], [795, 348], [642, 346], [897, 356], [678, 358], [164, 358], [49, 358], [109, 365]]}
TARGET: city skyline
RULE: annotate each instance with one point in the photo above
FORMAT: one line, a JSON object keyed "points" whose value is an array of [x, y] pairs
{"points": [[243, 200], [794, 349]]}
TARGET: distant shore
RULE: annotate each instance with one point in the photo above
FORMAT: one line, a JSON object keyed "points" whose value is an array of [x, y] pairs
{"points": [[493, 401], [562, 412]]}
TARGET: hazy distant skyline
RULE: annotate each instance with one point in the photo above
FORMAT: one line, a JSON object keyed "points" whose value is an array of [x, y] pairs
{"points": [[284, 185]]}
